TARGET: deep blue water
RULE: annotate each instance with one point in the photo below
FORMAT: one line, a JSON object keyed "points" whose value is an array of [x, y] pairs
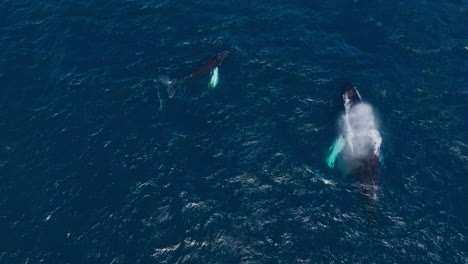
{"points": [[97, 165]]}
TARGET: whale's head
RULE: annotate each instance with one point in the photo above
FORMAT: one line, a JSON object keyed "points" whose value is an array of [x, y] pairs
{"points": [[351, 95]]}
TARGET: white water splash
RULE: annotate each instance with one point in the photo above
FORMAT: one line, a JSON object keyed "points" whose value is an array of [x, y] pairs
{"points": [[361, 132]]}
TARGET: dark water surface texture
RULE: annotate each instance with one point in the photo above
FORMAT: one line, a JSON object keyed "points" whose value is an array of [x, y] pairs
{"points": [[97, 165]]}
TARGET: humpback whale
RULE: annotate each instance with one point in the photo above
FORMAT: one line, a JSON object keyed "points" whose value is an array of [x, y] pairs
{"points": [[359, 142], [211, 65]]}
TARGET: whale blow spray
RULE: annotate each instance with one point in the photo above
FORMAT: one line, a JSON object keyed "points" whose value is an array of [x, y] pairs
{"points": [[361, 132]]}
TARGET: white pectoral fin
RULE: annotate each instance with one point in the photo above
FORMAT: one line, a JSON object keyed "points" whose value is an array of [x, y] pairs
{"points": [[214, 80], [335, 150]]}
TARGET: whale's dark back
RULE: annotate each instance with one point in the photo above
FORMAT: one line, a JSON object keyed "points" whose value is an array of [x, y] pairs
{"points": [[208, 65], [202, 70], [367, 171]]}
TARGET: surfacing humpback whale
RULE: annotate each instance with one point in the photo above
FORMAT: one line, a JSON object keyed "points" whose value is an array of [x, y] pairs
{"points": [[205, 68], [359, 143]]}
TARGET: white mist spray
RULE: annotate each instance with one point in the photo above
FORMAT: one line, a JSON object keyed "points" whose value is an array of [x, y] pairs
{"points": [[361, 132]]}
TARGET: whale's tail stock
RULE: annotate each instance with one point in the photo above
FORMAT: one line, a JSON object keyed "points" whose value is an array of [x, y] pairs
{"points": [[171, 85]]}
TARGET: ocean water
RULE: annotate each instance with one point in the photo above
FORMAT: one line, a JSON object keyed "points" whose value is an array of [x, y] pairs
{"points": [[98, 165]]}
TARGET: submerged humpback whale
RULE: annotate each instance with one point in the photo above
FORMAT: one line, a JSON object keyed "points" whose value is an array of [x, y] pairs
{"points": [[208, 66], [359, 143]]}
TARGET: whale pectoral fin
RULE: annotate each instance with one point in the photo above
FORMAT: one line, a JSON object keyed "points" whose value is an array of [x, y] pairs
{"points": [[214, 78], [335, 150]]}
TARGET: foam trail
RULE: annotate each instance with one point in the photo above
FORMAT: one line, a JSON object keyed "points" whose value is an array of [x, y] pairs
{"points": [[160, 101], [335, 150], [214, 78]]}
